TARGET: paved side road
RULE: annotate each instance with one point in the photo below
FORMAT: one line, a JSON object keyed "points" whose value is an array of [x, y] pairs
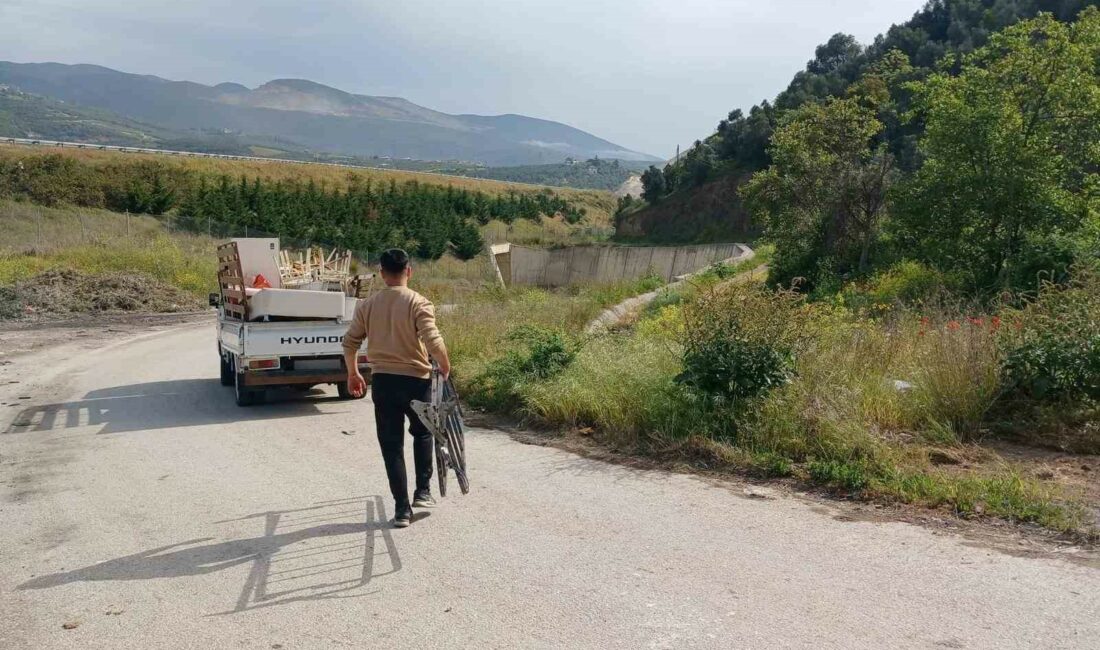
{"points": [[142, 509]]}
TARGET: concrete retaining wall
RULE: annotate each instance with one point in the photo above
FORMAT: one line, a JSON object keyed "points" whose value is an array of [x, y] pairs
{"points": [[602, 264]]}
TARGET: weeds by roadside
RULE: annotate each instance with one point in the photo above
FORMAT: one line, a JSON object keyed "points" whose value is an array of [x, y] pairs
{"points": [[876, 405]]}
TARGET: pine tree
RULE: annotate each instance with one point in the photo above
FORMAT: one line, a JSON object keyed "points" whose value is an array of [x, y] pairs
{"points": [[467, 241]]}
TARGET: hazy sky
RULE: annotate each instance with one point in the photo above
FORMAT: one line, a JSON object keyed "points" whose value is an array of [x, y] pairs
{"points": [[645, 74]]}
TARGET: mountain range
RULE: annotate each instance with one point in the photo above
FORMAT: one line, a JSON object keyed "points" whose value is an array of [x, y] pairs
{"points": [[304, 116]]}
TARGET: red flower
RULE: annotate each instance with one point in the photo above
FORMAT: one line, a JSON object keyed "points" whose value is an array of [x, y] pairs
{"points": [[953, 325], [995, 323]]}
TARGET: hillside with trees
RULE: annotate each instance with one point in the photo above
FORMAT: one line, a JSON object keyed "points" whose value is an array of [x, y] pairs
{"points": [[899, 110], [929, 209], [594, 173]]}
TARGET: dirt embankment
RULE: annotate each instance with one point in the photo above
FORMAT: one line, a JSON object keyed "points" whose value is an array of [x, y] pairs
{"points": [[63, 292], [712, 212], [631, 187]]}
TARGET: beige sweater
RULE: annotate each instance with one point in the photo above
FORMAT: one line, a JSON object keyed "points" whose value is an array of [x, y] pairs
{"points": [[399, 325]]}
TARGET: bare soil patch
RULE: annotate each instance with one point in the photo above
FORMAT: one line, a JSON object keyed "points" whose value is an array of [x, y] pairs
{"points": [[60, 293]]}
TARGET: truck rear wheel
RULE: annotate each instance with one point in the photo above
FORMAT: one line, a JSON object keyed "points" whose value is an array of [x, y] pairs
{"points": [[244, 395]]}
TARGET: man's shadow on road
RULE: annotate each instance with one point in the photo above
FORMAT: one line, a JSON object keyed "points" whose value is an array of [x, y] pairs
{"points": [[327, 550]]}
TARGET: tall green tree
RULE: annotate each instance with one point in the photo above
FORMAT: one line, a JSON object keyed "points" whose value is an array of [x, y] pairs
{"points": [[823, 198], [1011, 151], [467, 241], [653, 184]]}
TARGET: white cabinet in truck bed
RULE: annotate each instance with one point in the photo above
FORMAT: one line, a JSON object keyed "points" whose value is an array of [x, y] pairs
{"points": [[295, 303]]}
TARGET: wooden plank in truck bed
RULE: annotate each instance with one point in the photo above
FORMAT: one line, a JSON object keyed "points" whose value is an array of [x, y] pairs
{"points": [[231, 282]]}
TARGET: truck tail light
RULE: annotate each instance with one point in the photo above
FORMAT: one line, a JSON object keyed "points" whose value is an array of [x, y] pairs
{"points": [[363, 360], [263, 364]]}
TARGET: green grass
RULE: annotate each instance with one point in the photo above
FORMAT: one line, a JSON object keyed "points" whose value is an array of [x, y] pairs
{"points": [[32, 228], [723, 271], [840, 423], [37, 239], [621, 384], [181, 264]]}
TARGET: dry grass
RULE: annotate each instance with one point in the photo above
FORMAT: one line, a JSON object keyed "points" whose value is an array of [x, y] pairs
{"points": [[448, 280], [32, 228], [549, 231]]}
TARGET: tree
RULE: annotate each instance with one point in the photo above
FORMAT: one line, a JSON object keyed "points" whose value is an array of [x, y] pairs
{"points": [[624, 203], [744, 140], [824, 196], [698, 164], [886, 88], [653, 184], [1010, 149], [467, 241], [431, 240], [841, 50]]}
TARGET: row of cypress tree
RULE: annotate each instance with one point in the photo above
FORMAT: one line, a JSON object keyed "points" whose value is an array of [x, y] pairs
{"points": [[365, 216]]}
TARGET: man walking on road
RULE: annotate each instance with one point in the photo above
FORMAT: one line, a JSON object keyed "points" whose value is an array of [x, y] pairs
{"points": [[399, 325]]}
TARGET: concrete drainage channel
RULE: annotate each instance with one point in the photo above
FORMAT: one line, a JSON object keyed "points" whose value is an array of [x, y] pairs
{"points": [[614, 315], [559, 267]]}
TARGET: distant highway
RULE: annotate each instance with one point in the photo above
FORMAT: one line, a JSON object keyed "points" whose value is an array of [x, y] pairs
{"points": [[37, 142]]}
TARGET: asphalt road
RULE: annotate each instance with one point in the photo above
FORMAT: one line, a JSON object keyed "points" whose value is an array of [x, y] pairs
{"points": [[142, 509]]}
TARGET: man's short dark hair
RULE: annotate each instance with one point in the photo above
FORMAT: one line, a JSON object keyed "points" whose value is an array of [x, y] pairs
{"points": [[394, 261]]}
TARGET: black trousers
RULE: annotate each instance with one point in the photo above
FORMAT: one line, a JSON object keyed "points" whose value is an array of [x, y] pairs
{"points": [[391, 395]]}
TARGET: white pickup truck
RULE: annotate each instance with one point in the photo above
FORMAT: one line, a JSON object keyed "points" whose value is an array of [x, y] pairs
{"points": [[274, 336]]}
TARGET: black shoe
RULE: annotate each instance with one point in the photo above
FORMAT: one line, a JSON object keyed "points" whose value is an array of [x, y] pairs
{"points": [[403, 518], [423, 500]]}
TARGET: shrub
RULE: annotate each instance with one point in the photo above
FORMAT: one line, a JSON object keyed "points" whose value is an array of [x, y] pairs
{"points": [[722, 270], [849, 475], [1054, 344], [905, 283], [666, 323], [739, 343], [665, 297], [548, 352], [1045, 258], [10, 305], [733, 369], [543, 354], [1050, 366], [771, 465]]}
